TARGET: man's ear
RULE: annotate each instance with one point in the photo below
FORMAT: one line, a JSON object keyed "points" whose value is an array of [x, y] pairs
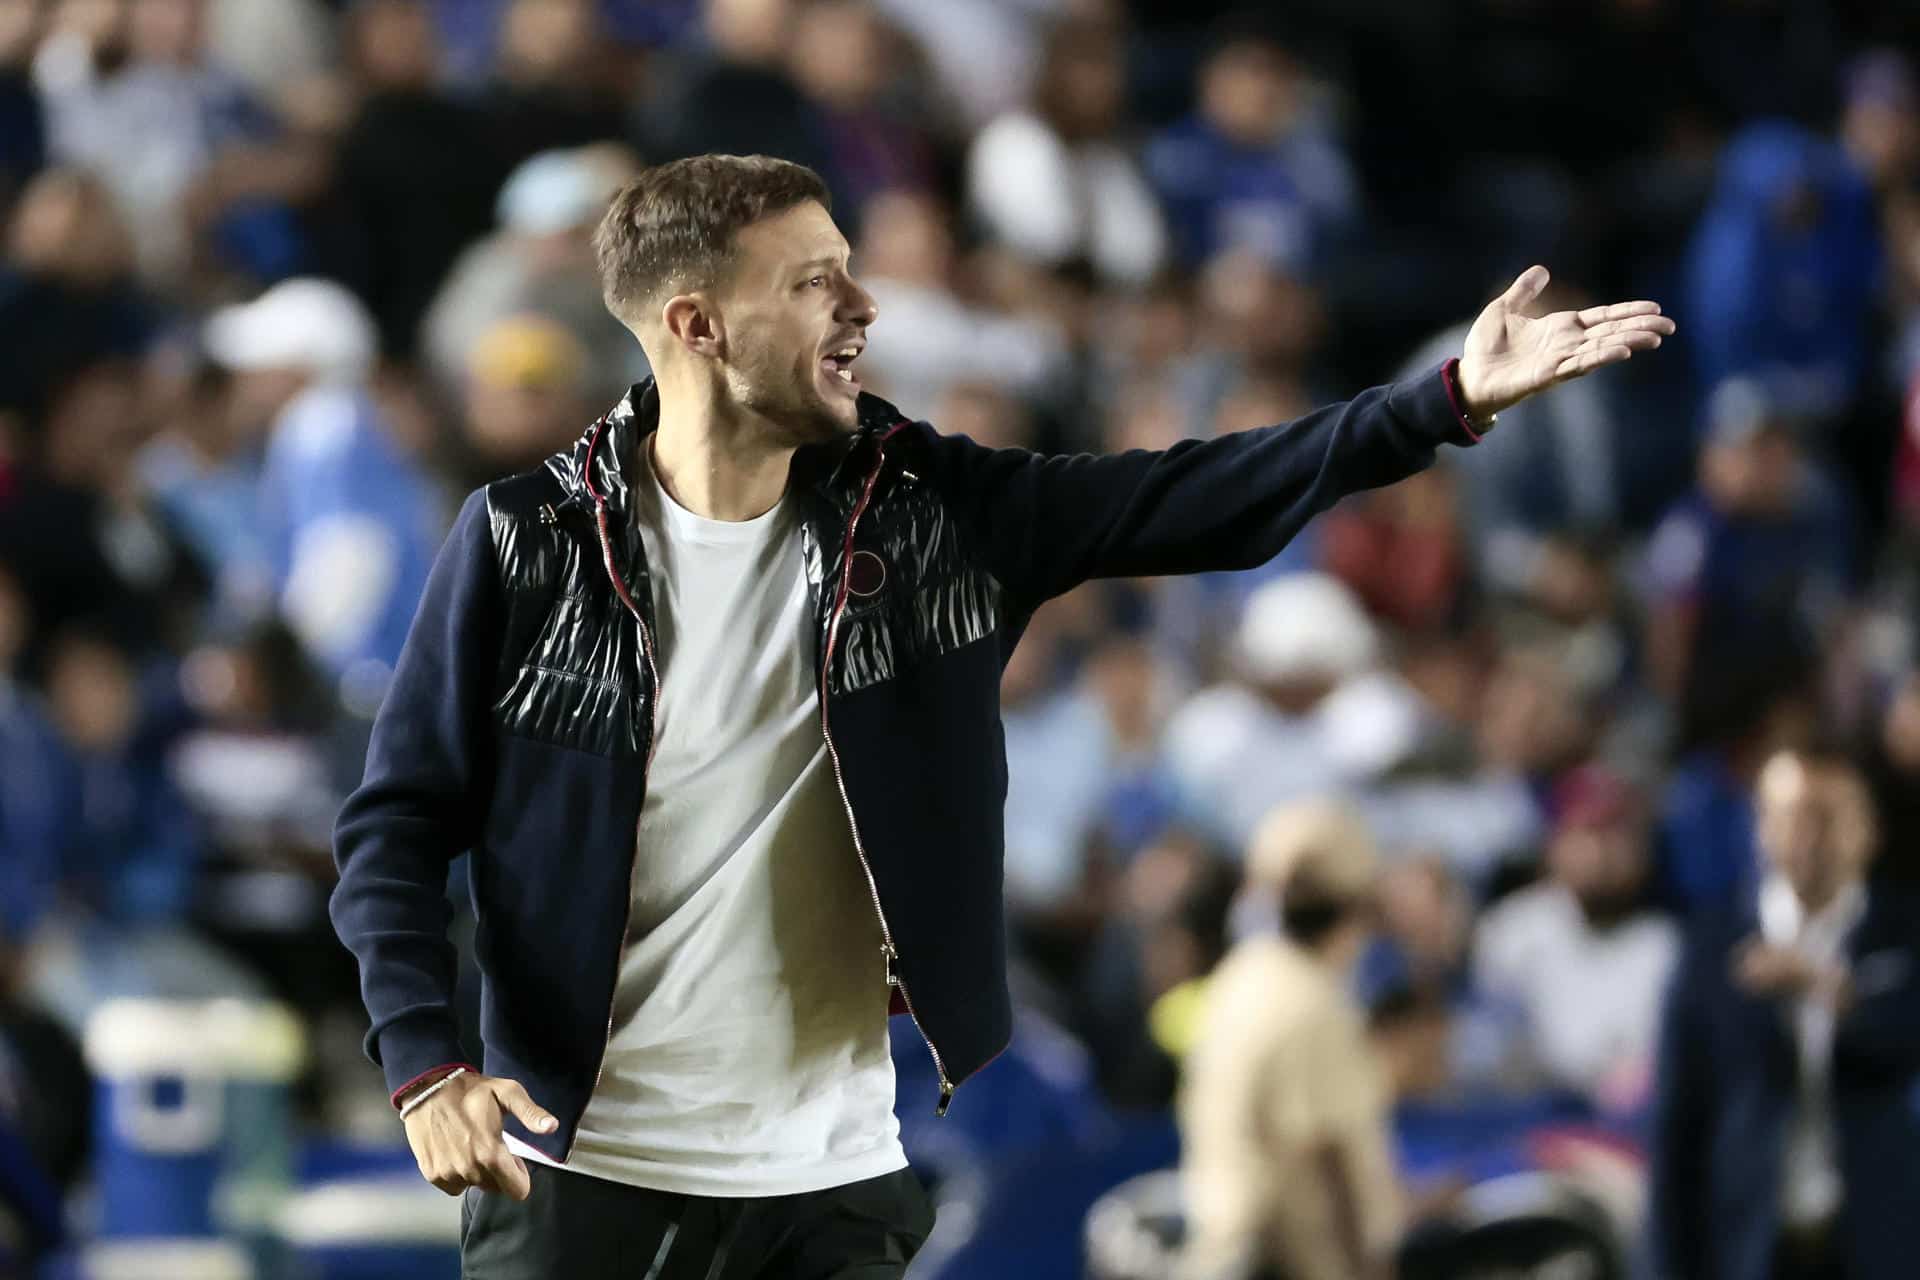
{"points": [[692, 320]]}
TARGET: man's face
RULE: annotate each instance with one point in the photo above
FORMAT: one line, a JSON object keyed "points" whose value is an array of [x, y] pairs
{"points": [[1603, 863], [1815, 826], [794, 322]]}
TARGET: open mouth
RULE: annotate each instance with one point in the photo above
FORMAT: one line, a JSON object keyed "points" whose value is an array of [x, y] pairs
{"points": [[838, 365]]}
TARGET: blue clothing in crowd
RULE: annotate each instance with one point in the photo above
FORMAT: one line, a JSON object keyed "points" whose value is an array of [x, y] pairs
{"points": [[1288, 202], [1707, 852], [353, 526], [1783, 269]]}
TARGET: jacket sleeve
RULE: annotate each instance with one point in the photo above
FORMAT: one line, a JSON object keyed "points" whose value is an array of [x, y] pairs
{"points": [[1683, 1087], [419, 806], [1050, 523]]}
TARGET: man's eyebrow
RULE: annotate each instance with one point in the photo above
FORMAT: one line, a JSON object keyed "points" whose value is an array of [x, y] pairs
{"points": [[833, 261]]}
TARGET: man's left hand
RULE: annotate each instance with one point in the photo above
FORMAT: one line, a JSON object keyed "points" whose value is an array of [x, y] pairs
{"points": [[1512, 353]]}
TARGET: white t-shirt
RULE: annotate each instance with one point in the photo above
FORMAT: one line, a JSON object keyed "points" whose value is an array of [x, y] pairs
{"points": [[749, 1050], [1591, 997]]}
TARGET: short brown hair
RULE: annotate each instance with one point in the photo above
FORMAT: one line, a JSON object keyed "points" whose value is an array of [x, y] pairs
{"points": [[675, 223]]}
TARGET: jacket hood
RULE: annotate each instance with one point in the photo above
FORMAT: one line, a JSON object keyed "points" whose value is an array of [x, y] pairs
{"points": [[596, 466]]}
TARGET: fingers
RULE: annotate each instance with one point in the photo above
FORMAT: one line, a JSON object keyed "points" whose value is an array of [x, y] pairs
{"points": [[1649, 323], [512, 1097], [1526, 287], [1618, 311]]}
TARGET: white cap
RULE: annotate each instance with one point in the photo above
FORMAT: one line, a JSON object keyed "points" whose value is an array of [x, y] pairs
{"points": [[1303, 626], [553, 192], [307, 323]]}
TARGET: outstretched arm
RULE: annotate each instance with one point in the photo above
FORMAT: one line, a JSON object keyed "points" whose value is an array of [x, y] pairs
{"points": [[1233, 502]]}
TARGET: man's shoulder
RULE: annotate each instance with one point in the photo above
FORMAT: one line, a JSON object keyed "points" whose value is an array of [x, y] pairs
{"points": [[524, 494]]}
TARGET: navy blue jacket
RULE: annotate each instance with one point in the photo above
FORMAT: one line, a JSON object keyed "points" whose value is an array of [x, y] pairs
{"points": [[518, 724], [1727, 1089]]}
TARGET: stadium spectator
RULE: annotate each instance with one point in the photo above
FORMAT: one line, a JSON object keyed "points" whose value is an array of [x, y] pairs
{"points": [[1783, 271], [1255, 167], [1056, 181], [539, 260], [1309, 712], [1763, 544], [909, 261], [417, 169], [1784, 1141], [875, 115], [551, 89], [1579, 956], [352, 520], [133, 96], [67, 291], [734, 95], [1283, 1108], [526, 393]]}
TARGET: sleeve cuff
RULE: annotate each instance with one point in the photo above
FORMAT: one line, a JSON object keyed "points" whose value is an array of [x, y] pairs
{"points": [[427, 1077], [1429, 405], [1450, 378]]}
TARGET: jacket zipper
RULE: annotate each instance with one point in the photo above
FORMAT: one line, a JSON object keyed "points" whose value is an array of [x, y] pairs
{"points": [[887, 949], [653, 726]]}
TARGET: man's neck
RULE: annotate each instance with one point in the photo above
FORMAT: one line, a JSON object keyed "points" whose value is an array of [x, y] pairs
{"points": [[720, 466]]}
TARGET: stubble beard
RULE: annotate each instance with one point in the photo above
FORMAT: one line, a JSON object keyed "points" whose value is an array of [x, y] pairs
{"points": [[787, 399]]}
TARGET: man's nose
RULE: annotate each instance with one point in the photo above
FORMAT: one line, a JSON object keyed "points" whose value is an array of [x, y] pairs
{"points": [[857, 305]]}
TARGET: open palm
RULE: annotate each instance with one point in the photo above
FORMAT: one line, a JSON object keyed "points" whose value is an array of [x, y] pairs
{"points": [[1511, 353]]}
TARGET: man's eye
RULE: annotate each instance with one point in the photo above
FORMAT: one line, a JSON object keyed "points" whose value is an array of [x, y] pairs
{"points": [[814, 282]]}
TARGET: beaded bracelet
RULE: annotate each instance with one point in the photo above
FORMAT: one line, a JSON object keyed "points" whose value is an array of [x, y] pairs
{"points": [[430, 1090]]}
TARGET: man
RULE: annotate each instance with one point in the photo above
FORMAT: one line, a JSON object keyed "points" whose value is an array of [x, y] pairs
{"points": [[1283, 1110], [714, 700], [349, 517], [1786, 1135], [1579, 957]]}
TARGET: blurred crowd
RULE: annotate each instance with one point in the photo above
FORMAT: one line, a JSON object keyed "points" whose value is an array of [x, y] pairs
{"points": [[282, 279]]}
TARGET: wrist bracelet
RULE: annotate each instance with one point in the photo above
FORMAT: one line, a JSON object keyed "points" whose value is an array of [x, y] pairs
{"points": [[429, 1091]]}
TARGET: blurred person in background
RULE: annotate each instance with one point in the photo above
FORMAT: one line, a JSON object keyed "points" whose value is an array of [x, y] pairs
{"points": [[1760, 703], [864, 77], [417, 168], [134, 96], [1579, 957], [88, 544], [1056, 180], [552, 88], [732, 93], [115, 908], [1763, 544], [733, 276], [67, 290], [1784, 270], [1786, 1144], [539, 260], [526, 394], [1255, 167], [203, 470], [907, 254], [1402, 550], [1284, 1106], [1310, 712], [352, 520]]}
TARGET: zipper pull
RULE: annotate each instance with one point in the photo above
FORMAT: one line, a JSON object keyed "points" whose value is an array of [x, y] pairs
{"points": [[946, 1099], [886, 950]]}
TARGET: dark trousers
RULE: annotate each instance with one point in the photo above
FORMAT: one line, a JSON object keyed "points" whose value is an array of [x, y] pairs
{"points": [[586, 1228]]}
